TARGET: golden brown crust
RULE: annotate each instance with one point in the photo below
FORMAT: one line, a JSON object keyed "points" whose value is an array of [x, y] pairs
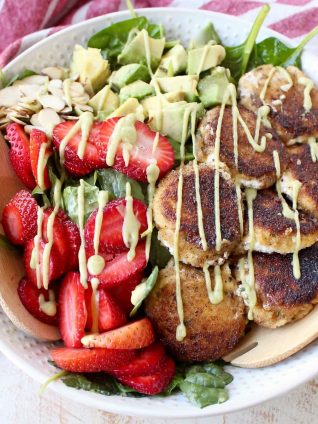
{"points": [[212, 330], [289, 119], [190, 248], [254, 168]]}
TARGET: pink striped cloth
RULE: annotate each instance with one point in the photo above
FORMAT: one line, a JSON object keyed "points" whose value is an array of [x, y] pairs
{"points": [[19, 19]]}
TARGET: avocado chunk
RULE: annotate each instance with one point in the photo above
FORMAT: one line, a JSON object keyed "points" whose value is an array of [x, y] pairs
{"points": [[138, 89], [205, 58], [212, 87], [136, 50], [205, 36], [92, 69], [184, 83], [128, 74], [174, 61], [131, 105], [169, 118], [105, 101], [156, 102]]}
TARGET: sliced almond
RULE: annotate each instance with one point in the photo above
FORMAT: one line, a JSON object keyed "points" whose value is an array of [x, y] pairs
{"points": [[48, 119], [76, 89], [84, 108], [29, 128], [30, 90], [81, 99], [67, 109], [10, 96], [54, 72], [52, 102], [33, 80], [35, 120]]}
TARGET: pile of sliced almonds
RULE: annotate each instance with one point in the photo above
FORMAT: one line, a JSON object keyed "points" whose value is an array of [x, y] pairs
{"points": [[43, 101]]}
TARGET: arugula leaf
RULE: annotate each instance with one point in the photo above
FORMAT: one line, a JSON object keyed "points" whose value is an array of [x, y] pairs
{"points": [[159, 255], [115, 183], [237, 57], [70, 200], [275, 52], [111, 40], [20, 76], [143, 290]]}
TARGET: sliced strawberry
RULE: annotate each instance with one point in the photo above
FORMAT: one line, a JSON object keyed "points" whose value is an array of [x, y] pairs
{"points": [[19, 218], [97, 142], [152, 384], [90, 360], [142, 155], [110, 314], [60, 236], [73, 314], [148, 361], [134, 335], [20, 154], [74, 240], [119, 269], [29, 296], [111, 234], [37, 138], [56, 263], [122, 292]]}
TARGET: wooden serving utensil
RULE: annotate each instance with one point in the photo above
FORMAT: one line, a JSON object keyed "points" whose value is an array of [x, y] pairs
{"points": [[11, 266], [264, 346]]}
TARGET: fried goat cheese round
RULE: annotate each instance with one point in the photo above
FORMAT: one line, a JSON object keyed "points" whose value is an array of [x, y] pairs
{"points": [[290, 114], [212, 330], [280, 297], [274, 232], [302, 168], [255, 169], [190, 246]]}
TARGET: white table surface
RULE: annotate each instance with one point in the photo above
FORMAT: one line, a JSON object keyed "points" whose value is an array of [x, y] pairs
{"points": [[20, 403]]}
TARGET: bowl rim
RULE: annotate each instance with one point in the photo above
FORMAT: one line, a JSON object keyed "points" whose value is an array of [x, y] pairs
{"points": [[82, 396]]}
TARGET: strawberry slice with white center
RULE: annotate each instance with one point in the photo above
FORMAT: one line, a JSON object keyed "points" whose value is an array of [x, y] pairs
{"points": [[143, 152]]}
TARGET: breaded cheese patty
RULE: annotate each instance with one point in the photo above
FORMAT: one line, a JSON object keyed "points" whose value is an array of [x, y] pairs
{"points": [[190, 246], [280, 297], [212, 330], [285, 96], [255, 169], [304, 170], [275, 233]]}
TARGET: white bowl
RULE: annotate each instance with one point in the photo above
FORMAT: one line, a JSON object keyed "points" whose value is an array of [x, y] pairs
{"points": [[250, 386]]}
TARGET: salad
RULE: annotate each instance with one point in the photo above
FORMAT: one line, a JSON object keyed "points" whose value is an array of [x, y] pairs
{"points": [[163, 207]]}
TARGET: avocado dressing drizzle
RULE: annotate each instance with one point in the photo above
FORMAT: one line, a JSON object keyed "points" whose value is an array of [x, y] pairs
{"points": [[35, 255], [48, 307], [42, 161], [313, 148], [81, 252], [131, 225], [309, 85]]}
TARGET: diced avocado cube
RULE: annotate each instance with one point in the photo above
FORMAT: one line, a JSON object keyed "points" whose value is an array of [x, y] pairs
{"points": [[136, 50], [138, 89], [212, 87], [91, 68], [204, 58], [128, 74], [175, 60], [129, 106], [205, 36], [104, 101], [184, 83], [156, 102]]}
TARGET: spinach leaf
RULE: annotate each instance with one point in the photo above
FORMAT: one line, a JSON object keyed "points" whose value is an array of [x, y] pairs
{"points": [[176, 148], [203, 396], [205, 35], [143, 290], [237, 57], [111, 40], [23, 74], [5, 243], [70, 200], [275, 52], [159, 255], [115, 183]]}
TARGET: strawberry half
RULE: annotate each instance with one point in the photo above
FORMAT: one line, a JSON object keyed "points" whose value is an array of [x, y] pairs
{"points": [[29, 296], [141, 155], [111, 234], [37, 138], [73, 314], [19, 218], [134, 335], [97, 142], [122, 292], [152, 384], [119, 269], [73, 240], [110, 314], [148, 361], [90, 360], [20, 154]]}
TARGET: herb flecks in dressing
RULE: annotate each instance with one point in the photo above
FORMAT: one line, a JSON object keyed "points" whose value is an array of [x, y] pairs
{"points": [[81, 252], [124, 134], [131, 225], [48, 307]]}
